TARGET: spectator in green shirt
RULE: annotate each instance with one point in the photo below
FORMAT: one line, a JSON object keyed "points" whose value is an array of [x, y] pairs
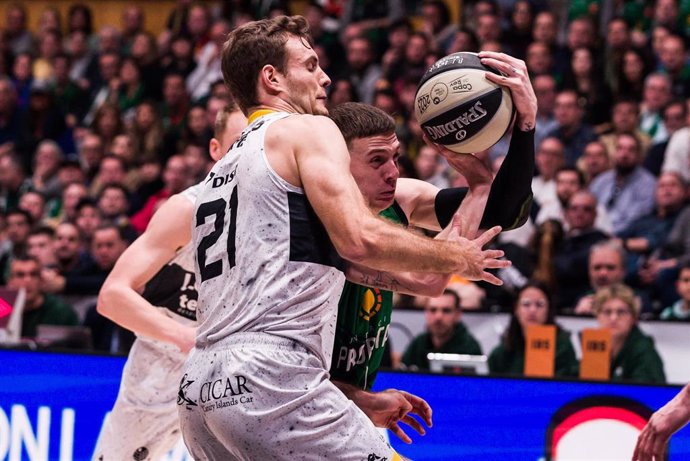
{"points": [[533, 307], [445, 333], [633, 355], [39, 308]]}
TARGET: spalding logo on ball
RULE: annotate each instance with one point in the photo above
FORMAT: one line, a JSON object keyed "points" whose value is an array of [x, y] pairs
{"points": [[459, 108]]}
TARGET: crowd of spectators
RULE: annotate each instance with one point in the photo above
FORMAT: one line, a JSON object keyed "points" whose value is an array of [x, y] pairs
{"points": [[99, 126]]}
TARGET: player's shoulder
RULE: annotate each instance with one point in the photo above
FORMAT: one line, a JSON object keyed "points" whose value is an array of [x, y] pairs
{"points": [[305, 125]]}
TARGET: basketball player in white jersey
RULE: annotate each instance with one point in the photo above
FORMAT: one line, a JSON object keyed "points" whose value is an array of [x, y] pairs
{"points": [[271, 224], [151, 290]]}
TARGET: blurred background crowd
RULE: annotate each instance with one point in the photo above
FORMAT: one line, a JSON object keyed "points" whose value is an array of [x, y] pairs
{"points": [[100, 125]]}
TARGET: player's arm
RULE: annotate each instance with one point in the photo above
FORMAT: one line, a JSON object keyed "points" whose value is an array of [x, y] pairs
{"points": [[390, 407], [119, 299], [417, 283], [653, 440], [357, 234]]}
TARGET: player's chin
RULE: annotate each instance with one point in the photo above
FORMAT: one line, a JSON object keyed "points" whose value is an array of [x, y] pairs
{"points": [[320, 107]]}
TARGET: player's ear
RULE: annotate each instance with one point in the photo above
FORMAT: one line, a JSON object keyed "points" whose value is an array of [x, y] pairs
{"points": [[214, 149], [270, 80]]}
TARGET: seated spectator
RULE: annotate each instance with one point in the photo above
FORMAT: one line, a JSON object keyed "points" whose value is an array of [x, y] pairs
{"points": [[108, 244], [175, 178], [572, 130], [548, 158], [606, 266], [649, 233], [568, 181], [40, 308], [71, 257], [594, 161], [113, 203], [40, 245], [33, 203], [627, 191], [88, 219], [532, 307], [18, 225], [680, 310], [46, 164], [570, 260], [674, 114], [445, 333], [625, 118], [13, 181], [660, 270], [655, 95], [633, 355]]}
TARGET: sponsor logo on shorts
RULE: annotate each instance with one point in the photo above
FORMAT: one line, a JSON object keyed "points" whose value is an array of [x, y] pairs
{"points": [[461, 85], [439, 93], [423, 102], [182, 398], [375, 457], [225, 392]]}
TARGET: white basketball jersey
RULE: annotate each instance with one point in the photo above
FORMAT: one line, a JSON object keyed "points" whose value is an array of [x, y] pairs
{"points": [[264, 260], [173, 289]]}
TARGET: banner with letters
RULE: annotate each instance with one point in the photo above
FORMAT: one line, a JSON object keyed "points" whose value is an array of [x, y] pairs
{"points": [[52, 407]]}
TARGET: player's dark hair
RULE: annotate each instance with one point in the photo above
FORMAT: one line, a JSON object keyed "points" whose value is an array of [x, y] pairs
{"points": [[358, 120]]}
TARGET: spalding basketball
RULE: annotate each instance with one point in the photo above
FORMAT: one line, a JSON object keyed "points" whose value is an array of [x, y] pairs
{"points": [[459, 108]]}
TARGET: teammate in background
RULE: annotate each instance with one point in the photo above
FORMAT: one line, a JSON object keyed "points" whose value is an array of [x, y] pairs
{"points": [[151, 291], [652, 442], [256, 383], [365, 313]]}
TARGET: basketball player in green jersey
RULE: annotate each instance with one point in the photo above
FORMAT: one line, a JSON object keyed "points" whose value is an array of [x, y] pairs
{"points": [[365, 313]]}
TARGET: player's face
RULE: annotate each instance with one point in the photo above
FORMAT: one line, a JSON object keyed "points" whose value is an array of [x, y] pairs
{"points": [[532, 307], [616, 315], [374, 165], [306, 81]]}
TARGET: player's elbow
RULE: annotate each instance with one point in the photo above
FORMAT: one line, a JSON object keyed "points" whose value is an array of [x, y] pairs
{"points": [[107, 299], [357, 247]]}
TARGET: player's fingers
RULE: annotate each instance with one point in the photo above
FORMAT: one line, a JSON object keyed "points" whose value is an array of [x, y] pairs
{"points": [[492, 254], [414, 424], [488, 236], [491, 278], [420, 407], [496, 263], [395, 429]]}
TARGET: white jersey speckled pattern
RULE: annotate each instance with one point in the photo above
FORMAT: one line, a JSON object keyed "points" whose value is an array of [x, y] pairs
{"points": [[264, 262]]}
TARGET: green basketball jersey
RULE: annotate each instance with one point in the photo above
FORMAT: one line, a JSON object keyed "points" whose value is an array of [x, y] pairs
{"points": [[364, 315]]}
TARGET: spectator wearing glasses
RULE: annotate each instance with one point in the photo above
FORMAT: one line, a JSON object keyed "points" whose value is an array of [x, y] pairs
{"points": [[633, 355], [445, 332], [570, 262], [532, 307]]}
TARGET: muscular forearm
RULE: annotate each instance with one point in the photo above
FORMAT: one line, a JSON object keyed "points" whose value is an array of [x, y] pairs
{"points": [[127, 308], [389, 248]]}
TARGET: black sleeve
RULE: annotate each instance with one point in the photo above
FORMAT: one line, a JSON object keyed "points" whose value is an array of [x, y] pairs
{"points": [[447, 202], [510, 198]]}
